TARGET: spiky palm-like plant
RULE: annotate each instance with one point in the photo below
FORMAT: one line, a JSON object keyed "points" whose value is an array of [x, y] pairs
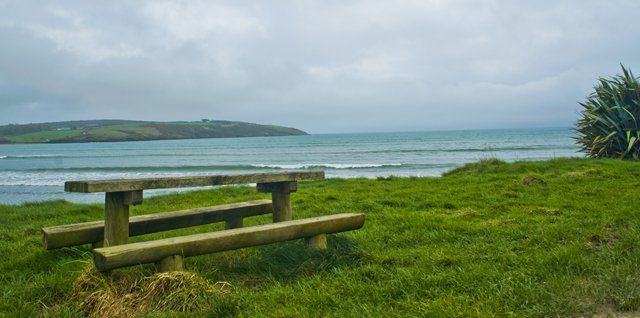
{"points": [[608, 127]]}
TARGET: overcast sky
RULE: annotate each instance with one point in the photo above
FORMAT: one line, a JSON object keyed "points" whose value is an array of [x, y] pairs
{"points": [[321, 66]]}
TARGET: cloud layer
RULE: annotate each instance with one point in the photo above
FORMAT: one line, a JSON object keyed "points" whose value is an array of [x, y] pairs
{"points": [[325, 66]]}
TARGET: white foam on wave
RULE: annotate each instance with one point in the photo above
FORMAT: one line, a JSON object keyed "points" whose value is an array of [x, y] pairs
{"points": [[328, 165], [28, 156], [35, 156], [57, 178], [25, 178]]}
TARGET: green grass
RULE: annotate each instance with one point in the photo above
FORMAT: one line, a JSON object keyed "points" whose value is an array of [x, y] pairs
{"points": [[555, 238], [112, 132], [43, 136], [122, 131]]}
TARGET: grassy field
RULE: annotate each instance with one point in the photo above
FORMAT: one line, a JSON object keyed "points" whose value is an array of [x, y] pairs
{"points": [[556, 238], [123, 130], [111, 132]]}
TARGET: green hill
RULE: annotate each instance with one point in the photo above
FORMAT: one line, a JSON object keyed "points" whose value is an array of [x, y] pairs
{"points": [[127, 130]]}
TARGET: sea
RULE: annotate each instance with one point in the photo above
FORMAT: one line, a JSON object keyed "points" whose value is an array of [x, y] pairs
{"points": [[37, 172]]}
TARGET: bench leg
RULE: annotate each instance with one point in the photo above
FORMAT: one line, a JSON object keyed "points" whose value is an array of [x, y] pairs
{"points": [[318, 242], [281, 205], [232, 223], [116, 219], [280, 197], [116, 216], [170, 264]]}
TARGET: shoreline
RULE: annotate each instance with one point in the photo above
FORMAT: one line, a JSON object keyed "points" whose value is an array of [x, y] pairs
{"points": [[344, 155], [98, 198]]}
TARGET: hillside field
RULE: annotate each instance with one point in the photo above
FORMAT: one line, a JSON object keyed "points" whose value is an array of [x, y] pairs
{"points": [[125, 130]]}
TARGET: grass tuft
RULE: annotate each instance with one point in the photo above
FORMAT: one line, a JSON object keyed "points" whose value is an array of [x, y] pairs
{"points": [[482, 166], [533, 180], [585, 173], [132, 295]]}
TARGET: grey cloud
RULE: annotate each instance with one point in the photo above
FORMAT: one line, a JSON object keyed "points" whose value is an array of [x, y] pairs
{"points": [[320, 66]]}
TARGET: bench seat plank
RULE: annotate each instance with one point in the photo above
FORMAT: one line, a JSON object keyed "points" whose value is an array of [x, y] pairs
{"points": [[108, 258], [90, 232], [120, 185]]}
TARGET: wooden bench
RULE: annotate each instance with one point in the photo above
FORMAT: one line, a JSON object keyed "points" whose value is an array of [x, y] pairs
{"points": [[110, 236]]}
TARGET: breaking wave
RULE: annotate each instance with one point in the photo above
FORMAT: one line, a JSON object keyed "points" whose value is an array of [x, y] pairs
{"points": [[328, 165], [302, 166]]}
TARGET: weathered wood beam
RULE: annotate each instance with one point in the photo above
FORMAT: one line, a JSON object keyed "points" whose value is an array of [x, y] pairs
{"points": [[170, 264], [318, 242], [281, 197], [277, 186], [233, 223], [281, 206], [116, 218], [120, 185], [108, 258], [133, 197], [92, 232]]}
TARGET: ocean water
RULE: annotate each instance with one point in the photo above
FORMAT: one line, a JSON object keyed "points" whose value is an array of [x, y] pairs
{"points": [[37, 172]]}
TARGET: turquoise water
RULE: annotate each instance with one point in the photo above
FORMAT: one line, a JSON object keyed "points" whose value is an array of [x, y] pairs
{"points": [[38, 172]]}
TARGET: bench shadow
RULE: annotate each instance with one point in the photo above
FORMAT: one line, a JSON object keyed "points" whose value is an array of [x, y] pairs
{"points": [[280, 262]]}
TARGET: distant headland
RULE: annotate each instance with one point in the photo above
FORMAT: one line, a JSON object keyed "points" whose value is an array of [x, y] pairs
{"points": [[129, 130]]}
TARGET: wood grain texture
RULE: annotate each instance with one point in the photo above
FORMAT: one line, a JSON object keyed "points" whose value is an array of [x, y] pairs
{"points": [[277, 186], [281, 206], [318, 242], [119, 185], [116, 218], [91, 232], [281, 197], [108, 258], [170, 264], [233, 223], [133, 197]]}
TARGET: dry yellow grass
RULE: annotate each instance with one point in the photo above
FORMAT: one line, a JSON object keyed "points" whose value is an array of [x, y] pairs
{"points": [[98, 295]]}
